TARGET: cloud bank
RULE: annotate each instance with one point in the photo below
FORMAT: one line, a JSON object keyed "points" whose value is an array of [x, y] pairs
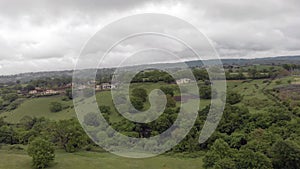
{"points": [[39, 35]]}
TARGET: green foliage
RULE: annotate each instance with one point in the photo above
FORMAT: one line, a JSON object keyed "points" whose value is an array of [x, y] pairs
{"points": [[153, 76], [10, 97], [8, 135], [105, 110], [233, 97], [137, 103], [221, 156], [70, 135], [69, 93], [253, 73], [205, 92], [234, 117], [225, 163], [92, 119], [219, 150], [167, 90], [286, 155], [1, 104], [200, 74], [42, 152], [261, 140], [170, 101], [247, 159], [55, 107], [140, 93], [29, 87]]}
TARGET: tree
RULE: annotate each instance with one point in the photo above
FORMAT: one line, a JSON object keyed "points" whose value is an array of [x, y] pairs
{"points": [[105, 110], [170, 101], [233, 97], [69, 93], [10, 97], [200, 74], [42, 152], [137, 103], [92, 119], [206, 92], [29, 87], [225, 163], [218, 151], [253, 72], [247, 159], [1, 104], [8, 135], [140, 93], [55, 107], [233, 117], [285, 155], [167, 90], [70, 135]]}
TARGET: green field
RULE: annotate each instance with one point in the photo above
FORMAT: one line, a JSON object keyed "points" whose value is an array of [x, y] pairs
{"points": [[39, 107], [93, 160]]}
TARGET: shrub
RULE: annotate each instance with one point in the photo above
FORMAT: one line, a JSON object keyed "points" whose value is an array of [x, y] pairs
{"points": [[55, 106], [42, 152]]}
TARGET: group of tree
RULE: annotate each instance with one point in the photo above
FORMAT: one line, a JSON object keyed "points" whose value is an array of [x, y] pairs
{"points": [[44, 136]]}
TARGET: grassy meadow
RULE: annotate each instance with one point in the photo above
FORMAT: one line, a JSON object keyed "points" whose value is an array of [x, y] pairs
{"points": [[93, 160]]}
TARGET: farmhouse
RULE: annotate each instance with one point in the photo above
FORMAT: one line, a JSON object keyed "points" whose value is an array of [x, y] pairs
{"points": [[39, 91], [98, 87], [32, 92], [184, 81], [105, 86], [50, 92]]}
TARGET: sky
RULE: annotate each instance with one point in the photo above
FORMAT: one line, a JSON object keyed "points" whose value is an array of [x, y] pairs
{"points": [[42, 35]]}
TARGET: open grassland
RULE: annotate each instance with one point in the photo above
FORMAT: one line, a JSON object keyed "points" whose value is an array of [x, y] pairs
{"points": [[39, 107], [93, 160]]}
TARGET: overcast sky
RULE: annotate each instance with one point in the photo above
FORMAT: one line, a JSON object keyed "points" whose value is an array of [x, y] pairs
{"points": [[39, 35]]}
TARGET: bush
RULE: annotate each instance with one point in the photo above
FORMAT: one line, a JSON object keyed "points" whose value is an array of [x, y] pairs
{"points": [[233, 97], [285, 155], [92, 119], [55, 107], [137, 103], [140, 93], [167, 90], [42, 152]]}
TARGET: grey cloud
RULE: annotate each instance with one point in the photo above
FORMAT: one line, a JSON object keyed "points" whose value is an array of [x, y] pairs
{"points": [[37, 34]]}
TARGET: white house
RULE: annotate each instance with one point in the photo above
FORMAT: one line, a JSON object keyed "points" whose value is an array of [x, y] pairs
{"points": [[184, 81], [50, 91], [33, 92], [105, 86]]}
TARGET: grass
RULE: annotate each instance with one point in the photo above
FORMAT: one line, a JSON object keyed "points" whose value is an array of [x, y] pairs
{"points": [[253, 97], [93, 160], [39, 107]]}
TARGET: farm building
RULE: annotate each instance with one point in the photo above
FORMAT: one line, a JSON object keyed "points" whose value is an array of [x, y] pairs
{"points": [[105, 86], [184, 81]]}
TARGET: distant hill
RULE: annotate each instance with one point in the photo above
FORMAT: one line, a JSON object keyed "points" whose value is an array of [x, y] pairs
{"points": [[263, 61], [24, 77]]}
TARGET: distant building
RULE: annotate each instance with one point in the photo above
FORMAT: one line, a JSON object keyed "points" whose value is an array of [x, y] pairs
{"points": [[50, 92], [106, 86], [184, 81], [33, 92], [98, 87]]}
